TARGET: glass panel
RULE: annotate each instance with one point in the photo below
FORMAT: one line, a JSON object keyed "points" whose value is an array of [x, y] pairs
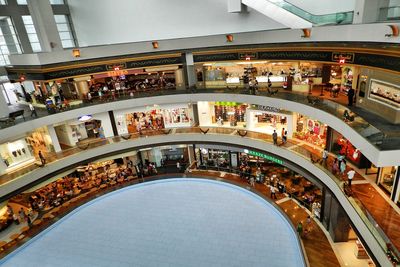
{"points": [[33, 38], [36, 47], [30, 28], [68, 43], [65, 36], [22, 2], [27, 19], [57, 2], [9, 42], [62, 27], [3, 2], [60, 18]]}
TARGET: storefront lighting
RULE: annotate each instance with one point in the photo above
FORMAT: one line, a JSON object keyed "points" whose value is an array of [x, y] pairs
{"points": [[229, 38], [76, 52], [85, 118], [155, 44]]}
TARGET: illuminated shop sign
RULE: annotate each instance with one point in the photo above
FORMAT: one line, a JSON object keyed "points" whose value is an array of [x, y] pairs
{"points": [[116, 67], [343, 57], [264, 156], [267, 108], [248, 56]]}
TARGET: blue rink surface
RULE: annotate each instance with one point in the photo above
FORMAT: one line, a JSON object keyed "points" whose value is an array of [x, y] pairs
{"points": [[174, 222]]}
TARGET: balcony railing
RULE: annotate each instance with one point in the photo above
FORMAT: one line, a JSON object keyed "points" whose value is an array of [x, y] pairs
{"points": [[372, 134]]}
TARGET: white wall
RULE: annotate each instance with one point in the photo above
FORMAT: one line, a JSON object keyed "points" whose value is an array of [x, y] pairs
{"points": [[99, 22], [324, 7], [105, 123], [64, 135]]}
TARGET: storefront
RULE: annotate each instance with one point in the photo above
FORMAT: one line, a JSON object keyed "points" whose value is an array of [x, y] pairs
{"points": [[84, 129], [237, 74], [386, 178], [153, 117], [340, 145], [165, 156], [25, 151], [222, 114], [266, 119], [312, 131]]}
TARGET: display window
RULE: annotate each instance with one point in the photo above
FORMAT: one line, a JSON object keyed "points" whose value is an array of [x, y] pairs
{"points": [[176, 116], [40, 140], [311, 131], [266, 119], [138, 121], [386, 93], [386, 177], [229, 113], [15, 153]]}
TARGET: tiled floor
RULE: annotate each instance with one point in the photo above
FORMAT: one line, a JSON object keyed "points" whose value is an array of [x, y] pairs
{"points": [[175, 222]]}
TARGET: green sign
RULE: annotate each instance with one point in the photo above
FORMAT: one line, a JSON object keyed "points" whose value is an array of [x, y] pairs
{"points": [[264, 156]]}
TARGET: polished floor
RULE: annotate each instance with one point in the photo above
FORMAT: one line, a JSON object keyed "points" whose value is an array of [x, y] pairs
{"points": [[174, 222]]}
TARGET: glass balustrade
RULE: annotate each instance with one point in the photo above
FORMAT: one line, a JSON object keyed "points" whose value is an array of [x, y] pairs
{"points": [[372, 134], [317, 20], [389, 13]]}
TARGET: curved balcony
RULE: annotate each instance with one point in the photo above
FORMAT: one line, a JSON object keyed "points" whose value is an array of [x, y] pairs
{"points": [[375, 237], [377, 145]]}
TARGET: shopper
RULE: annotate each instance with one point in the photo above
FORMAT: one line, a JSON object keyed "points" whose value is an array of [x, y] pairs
{"points": [[335, 167], [325, 157], [300, 229], [284, 136], [350, 97], [33, 110], [252, 181], [273, 192], [42, 158], [275, 137], [178, 166], [342, 167], [22, 215], [350, 176]]}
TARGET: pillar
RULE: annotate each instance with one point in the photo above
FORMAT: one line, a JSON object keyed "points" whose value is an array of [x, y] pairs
{"points": [[3, 103], [192, 157], [54, 138], [45, 25], [339, 224], [190, 73], [156, 156], [367, 11], [179, 79], [82, 87]]}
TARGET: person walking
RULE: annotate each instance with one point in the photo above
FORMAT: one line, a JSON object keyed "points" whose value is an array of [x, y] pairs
{"points": [[350, 176], [300, 229], [252, 181], [335, 167], [178, 166], [42, 158], [325, 157], [284, 136], [342, 167], [33, 110], [275, 137], [273, 192], [350, 97]]}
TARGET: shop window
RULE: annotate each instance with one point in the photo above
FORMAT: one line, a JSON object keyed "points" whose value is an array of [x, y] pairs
{"points": [[363, 86], [386, 178], [311, 131]]}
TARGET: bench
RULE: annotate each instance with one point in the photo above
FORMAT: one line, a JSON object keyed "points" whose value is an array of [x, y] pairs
{"points": [[12, 116]]}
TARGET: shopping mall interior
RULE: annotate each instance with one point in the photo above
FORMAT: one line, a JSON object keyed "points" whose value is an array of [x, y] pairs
{"points": [[200, 133]]}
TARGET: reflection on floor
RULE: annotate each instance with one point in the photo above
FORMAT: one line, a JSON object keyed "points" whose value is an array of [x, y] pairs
{"points": [[347, 252]]}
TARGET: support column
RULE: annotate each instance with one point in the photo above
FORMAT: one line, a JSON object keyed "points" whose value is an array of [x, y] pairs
{"points": [[3, 103], [82, 87], [54, 138], [190, 73], [367, 11], [179, 79], [45, 25]]}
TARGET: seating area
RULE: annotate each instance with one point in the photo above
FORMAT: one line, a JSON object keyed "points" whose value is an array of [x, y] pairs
{"points": [[12, 117]]}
